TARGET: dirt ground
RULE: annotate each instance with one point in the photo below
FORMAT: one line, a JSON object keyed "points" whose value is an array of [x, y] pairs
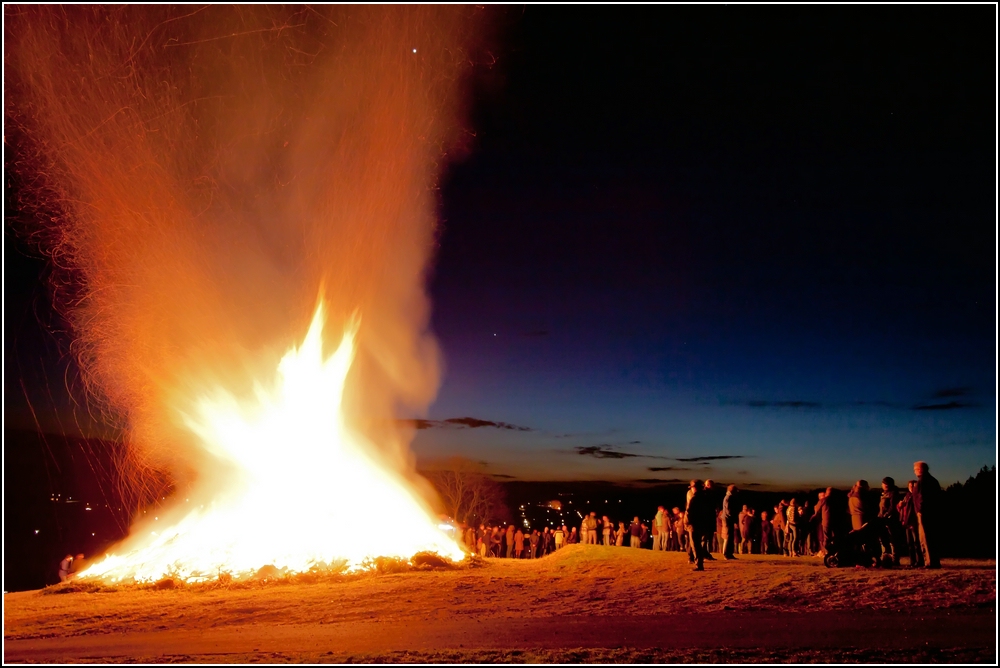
{"points": [[583, 604]]}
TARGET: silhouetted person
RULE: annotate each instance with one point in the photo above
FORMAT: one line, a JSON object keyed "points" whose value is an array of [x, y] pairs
{"points": [[700, 518], [518, 544], [509, 540], [888, 513], [496, 541], [908, 518], [533, 541], [927, 504], [792, 528], [729, 519], [822, 517], [856, 504]]}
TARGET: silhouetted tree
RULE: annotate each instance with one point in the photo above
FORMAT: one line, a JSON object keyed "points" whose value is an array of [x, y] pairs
{"points": [[468, 494]]}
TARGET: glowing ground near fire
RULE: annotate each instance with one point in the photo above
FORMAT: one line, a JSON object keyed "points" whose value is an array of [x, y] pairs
{"points": [[579, 604], [287, 475]]}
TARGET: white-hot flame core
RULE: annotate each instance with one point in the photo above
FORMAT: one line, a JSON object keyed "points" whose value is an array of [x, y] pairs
{"points": [[294, 488]]}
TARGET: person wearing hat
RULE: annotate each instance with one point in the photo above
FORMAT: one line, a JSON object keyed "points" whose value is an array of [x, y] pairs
{"points": [[888, 512]]}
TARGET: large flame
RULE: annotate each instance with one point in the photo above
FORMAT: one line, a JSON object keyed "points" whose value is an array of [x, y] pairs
{"points": [[296, 488]]}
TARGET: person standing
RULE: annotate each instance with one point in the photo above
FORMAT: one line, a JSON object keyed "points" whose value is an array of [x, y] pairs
{"points": [[560, 536], [781, 513], [888, 513], [729, 519], [908, 518], [620, 535], [766, 533], [927, 504], [791, 528], [635, 531], [856, 504], [606, 530], [591, 522], [821, 518], [518, 544], [700, 519], [496, 542], [745, 520], [509, 539], [660, 529]]}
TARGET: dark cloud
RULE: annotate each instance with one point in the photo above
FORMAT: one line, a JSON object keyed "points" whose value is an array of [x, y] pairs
{"points": [[743, 473], [655, 469], [949, 392], [604, 452], [751, 484], [950, 406], [469, 422], [708, 458], [634, 442], [659, 480], [502, 475], [757, 403], [536, 333]]}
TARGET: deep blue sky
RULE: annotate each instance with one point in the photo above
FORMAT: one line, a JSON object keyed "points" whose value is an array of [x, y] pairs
{"points": [[759, 232], [683, 233]]}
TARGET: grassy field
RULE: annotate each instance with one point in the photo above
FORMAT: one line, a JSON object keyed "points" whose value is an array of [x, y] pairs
{"points": [[586, 582]]}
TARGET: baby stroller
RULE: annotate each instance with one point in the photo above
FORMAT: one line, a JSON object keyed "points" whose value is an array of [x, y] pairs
{"points": [[860, 547]]}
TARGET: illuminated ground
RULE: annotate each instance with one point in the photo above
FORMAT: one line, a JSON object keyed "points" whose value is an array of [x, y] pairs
{"points": [[582, 604]]}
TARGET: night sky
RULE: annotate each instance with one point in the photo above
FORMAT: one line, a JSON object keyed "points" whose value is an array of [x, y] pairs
{"points": [[762, 233], [750, 243]]}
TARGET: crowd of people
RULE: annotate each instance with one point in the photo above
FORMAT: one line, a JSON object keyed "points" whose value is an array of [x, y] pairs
{"points": [[876, 527]]}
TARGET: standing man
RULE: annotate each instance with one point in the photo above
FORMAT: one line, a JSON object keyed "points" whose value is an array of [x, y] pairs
{"points": [[746, 519], [927, 504], [856, 504], [660, 529], [591, 522], [635, 531], [729, 518], [700, 519], [888, 513], [766, 533], [791, 528], [908, 518]]}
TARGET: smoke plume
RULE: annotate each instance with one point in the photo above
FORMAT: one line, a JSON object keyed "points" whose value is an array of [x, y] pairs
{"points": [[204, 173]]}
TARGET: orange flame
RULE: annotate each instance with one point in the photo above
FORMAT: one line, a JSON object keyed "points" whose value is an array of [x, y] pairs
{"points": [[291, 484]]}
